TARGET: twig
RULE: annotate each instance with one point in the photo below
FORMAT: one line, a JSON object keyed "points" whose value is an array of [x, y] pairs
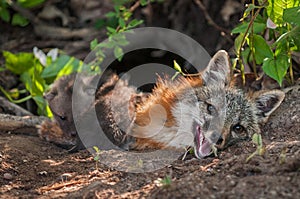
{"points": [[204, 168], [20, 124], [13, 108], [210, 21], [248, 28], [57, 186], [131, 9], [23, 11], [135, 6]]}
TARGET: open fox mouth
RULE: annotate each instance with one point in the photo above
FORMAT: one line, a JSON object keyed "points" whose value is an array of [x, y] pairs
{"points": [[202, 145]]}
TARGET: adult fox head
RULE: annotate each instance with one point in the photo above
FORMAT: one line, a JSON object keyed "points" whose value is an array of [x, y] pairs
{"points": [[227, 114]]}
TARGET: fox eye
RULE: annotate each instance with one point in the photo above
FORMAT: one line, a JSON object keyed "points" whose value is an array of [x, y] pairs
{"points": [[211, 109], [238, 128], [62, 118]]}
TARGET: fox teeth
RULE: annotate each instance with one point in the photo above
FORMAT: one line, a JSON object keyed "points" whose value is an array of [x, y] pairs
{"points": [[202, 145]]}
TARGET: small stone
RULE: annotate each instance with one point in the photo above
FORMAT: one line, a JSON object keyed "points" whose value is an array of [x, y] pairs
{"points": [[43, 173], [44, 148], [66, 176], [232, 182], [7, 176], [273, 192]]}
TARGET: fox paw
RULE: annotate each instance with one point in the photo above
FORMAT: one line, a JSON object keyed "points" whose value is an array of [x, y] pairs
{"points": [[51, 132]]}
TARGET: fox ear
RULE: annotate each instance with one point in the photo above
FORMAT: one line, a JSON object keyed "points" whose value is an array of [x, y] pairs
{"points": [[218, 69], [267, 102], [49, 96]]}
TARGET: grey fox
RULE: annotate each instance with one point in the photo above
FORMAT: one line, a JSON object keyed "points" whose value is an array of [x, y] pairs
{"points": [[202, 111]]}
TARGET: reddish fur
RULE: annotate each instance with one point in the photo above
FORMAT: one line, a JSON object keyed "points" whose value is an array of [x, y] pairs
{"points": [[145, 143], [50, 131], [164, 94]]}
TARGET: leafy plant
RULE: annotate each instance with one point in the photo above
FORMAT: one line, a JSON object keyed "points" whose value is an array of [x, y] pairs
{"points": [[117, 21], [260, 149], [281, 20], [97, 155], [37, 71], [164, 182], [16, 18]]}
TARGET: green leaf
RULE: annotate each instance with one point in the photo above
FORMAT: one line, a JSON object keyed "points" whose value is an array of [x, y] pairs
{"points": [[53, 69], [18, 63], [43, 108], [33, 81], [25, 77], [111, 30], [127, 15], [135, 23], [110, 14], [292, 15], [275, 9], [177, 67], [238, 42], [295, 32], [120, 39], [19, 20], [118, 52], [257, 28], [4, 14], [276, 67], [245, 54], [250, 7], [100, 23], [73, 65], [256, 138], [261, 49], [143, 2], [291, 37], [122, 22], [93, 44], [30, 3]]}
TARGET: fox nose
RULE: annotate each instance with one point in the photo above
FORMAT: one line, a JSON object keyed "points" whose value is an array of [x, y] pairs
{"points": [[220, 140], [217, 138], [73, 133]]}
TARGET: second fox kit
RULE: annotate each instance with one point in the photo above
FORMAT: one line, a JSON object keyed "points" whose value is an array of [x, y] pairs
{"points": [[202, 111]]}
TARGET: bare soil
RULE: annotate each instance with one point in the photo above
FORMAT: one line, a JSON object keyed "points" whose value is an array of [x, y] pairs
{"points": [[34, 168]]}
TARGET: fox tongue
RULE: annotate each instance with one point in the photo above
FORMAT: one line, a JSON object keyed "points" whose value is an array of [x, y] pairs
{"points": [[202, 144]]}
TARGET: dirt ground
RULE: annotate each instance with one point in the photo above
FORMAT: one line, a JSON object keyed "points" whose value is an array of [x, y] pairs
{"points": [[34, 168]]}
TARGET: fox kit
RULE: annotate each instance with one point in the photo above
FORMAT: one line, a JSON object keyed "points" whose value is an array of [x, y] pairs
{"points": [[62, 130], [202, 111]]}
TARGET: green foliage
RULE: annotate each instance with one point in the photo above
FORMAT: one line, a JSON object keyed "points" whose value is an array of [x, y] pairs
{"points": [[97, 155], [37, 71], [30, 3], [260, 149], [282, 21], [117, 21], [164, 182], [98, 152], [275, 9], [16, 18]]}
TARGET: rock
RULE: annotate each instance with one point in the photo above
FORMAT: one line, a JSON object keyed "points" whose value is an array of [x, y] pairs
{"points": [[7, 176]]}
